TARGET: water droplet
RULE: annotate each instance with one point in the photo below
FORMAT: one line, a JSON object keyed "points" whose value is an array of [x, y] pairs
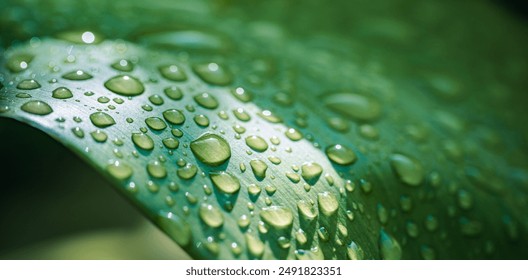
{"points": [[300, 237], [275, 160], [77, 75], [173, 72], [188, 171], [119, 170], [206, 100], [383, 214], [241, 114], [368, 131], [412, 229], [174, 93], [101, 119], [152, 187], [328, 203], [311, 171], [99, 136], [313, 254], [23, 95], [353, 105], [407, 169], [242, 94], [213, 73], [236, 249], [103, 99], [470, 227], [254, 245], [123, 65], [272, 118], [211, 215], [211, 149], [340, 154], [77, 131], [155, 123], [176, 227], [307, 210], [405, 203], [143, 141], [28, 84], [338, 124], [293, 134], [201, 120], [125, 85], [354, 252], [431, 223], [294, 177], [225, 182], [323, 234], [278, 217], [174, 116], [171, 143], [19, 62], [389, 247], [259, 168], [156, 169], [256, 143], [427, 252], [36, 107], [156, 100]]}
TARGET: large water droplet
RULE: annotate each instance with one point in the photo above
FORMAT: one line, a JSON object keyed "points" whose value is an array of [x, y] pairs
{"points": [[211, 215], [213, 73], [101, 119], [259, 168], [353, 105], [389, 247], [256, 143], [176, 227], [77, 75], [173, 72], [225, 182], [340, 154], [143, 141], [36, 107], [307, 210], [206, 100], [155, 123], [62, 93], [278, 217], [201, 120], [211, 149], [328, 203], [119, 170], [28, 84], [407, 169], [311, 171], [174, 116], [125, 85]]}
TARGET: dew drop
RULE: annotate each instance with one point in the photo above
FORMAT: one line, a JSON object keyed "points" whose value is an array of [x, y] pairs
{"points": [[225, 182], [119, 170], [103, 99], [156, 100], [407, 169], [389, 247], [294, 177], [188, 171], [176, 227], [155, 123], [156, 169], [311, 171], [77, 75], [259, 168], [353, 105], [19, 62], [256, 143], [201, 120], [174, 116], [213, 73], [307, 210], [36, 107], [123, 65], [174, 93], [171, 143], [293, 134], [211, 215], [125, 85], [101, 119], [278, 217], [340, 154], [143, 141], [211, 149], [242, 94], [241, 114], [206, 100], [328, 203], [77, 131], [28, 84], [173, 72], [99, 136]]}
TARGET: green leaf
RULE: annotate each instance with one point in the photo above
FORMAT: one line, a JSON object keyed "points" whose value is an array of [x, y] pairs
{"points": [[240, 142]]}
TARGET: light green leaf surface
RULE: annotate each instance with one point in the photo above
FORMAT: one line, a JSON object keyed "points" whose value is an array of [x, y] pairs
{"points": [[242, 141]]}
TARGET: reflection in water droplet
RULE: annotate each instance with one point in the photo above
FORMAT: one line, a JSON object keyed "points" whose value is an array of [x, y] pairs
{"points": [[125, 85], [211, 149], [36, 107]]}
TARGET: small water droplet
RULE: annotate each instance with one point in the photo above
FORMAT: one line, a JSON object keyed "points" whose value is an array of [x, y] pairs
{"points": [[99, 136], [206, 100], [143, 141], [383, 214], [341, 154], [242, 94], [259, 168], [294, 177], [101, 119], [174, 93], [123, 65], [176, 227], [241, 114], [293, 134], [77, 131], [103, 99], [77, 75], [188, 171], [119, 170], [353, 105], [213, 73], [278, 217], [405, 203], [431, 223], [156, 100], [211, 149], [201, 120], [36, 107], [427, 252], [125, 85], [211, 215], [412, 229], [389, 247], [368, 131], [173, 72]]}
